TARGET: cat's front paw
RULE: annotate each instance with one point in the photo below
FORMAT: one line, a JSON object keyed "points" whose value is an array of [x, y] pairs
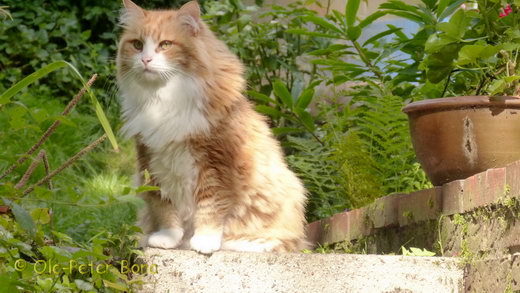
{"points": [[166, 238], [206, 242]]}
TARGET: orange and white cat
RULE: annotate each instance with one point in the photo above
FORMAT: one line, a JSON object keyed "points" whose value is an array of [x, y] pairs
{"points": [[223, 180]]}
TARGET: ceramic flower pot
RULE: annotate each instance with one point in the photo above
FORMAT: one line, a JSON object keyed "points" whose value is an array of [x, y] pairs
{"points": [[455, 138]]}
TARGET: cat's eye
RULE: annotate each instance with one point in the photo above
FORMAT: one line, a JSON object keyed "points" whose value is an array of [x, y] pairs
{"points": [[138, 45], [164, 45]]}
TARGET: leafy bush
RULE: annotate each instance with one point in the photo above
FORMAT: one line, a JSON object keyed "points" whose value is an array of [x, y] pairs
{"points": [[31, 236], [264, 43], [347, 154], [42, 32], [476, 51], [31, 262]]}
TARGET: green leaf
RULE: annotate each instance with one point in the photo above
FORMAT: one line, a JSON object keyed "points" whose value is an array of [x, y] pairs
{"points": [[353, 32], [471, 53], [351, 10], [436, 74], [408, 15], [305, 99], [429, 3], [145, 188], [456, 26], [147, 176], [448, 11], [417, 252], [299, 31], [442, 5], [261, 97], [38, 74], [323, 23], [84, 286], [118, 286], [286, 130], [269, 111], [402, 36], [306, 119], [497, 87], [381, 35], [64, 120], [511, 78], [22, 217], [281, 91], [511, 46], [45, 284], [41, 215], [435, 43], [86, 34], [371, 18]]}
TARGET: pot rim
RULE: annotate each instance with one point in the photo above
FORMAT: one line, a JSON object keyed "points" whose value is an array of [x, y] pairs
{"points": [[464, 102]]}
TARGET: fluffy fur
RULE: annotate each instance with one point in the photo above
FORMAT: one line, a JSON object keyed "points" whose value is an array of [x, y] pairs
{"points": [[223, 181]]}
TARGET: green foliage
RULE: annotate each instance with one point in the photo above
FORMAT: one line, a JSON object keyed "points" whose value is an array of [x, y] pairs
{"points": [[314, 164], [42, 32], [365, 143], [30, 261], [264, 43], [31, 236], [24, 83], [4, 12], [383, 129], [474, 52]]}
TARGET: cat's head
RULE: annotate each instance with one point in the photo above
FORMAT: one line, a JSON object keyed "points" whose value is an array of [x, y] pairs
{"points": [[158, 44]]}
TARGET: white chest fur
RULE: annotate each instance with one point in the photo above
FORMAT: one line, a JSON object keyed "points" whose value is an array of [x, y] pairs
{"points": [[163, 116], [164, 113], [175, 169]]}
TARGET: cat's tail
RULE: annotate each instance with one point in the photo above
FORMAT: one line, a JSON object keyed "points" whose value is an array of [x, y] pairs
{"points": [[265, 245]]}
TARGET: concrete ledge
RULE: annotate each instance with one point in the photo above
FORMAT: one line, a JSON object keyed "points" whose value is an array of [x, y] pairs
{"points": [[188, 271]]}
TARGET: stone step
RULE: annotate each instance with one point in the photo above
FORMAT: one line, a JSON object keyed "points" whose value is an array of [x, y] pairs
{"points": [[188, 271]]}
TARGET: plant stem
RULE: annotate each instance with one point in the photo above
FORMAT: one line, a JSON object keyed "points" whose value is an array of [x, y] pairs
{"points": [[67, 163], [365, 60], [30, 170], [308, 130], [47, 169], [481, 85], [50, 130], [446, 85]]}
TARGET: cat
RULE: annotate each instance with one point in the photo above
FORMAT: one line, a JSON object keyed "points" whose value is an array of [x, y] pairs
{"points": [[224, 183]]}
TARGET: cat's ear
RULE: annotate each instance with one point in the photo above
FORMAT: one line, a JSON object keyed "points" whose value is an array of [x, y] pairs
{"points": [[189, 15], [130, 12]]}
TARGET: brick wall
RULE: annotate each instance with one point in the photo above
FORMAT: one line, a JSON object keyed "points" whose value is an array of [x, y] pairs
{"points": [[403, 215]]}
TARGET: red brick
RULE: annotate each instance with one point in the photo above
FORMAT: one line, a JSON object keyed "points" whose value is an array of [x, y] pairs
{"points": [[452, 197], [420, 206], [384, 211], [314, 233], [484, 188], [513, 179], [358, 223], [473, 195], [343, 226], [337, 229], [495, 185]]}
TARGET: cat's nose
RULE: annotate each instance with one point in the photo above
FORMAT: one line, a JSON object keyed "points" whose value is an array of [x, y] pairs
{"points": [[146, 60]]}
